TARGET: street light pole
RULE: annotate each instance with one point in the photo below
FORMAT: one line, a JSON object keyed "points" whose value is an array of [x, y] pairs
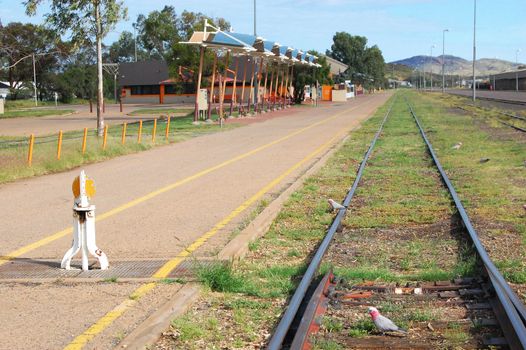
{"points": [[431, 67], [424, 75], [443, 58], [35, 80], [474, 47], [255, 18], [135, 42], [517, 71]]}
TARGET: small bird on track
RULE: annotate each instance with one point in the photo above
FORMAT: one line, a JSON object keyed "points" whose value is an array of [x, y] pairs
{"points": [[335, 205], [382, 323], [484, 160], [457, 146]]}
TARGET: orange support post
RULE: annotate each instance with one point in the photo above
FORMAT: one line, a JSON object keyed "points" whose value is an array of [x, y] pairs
{"points": [[154, 129], [167, 132], [105, 137], [84, 139], [123, 137], [161, 94], [139, 135], [30, 151], [59, 144]]}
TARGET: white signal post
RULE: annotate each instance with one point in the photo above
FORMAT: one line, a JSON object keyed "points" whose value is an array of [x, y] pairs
{"points": [[84, 226]]}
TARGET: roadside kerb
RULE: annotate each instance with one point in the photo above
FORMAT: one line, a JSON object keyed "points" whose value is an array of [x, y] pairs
{"points": [[152, 328]]}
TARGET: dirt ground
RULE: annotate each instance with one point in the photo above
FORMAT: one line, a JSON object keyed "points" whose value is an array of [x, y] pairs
{"points": [[149, 206]]}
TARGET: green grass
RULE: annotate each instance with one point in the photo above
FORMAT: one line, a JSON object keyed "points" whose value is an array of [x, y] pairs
{"points": [[30, 103], [110, 280], [219, 277], [323, 344], [13, 151], [34, 113], [159, 111], [361, 328]]}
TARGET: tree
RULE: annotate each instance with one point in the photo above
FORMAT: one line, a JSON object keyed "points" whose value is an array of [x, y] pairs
{"points": [[18, 42], [160, 34], [86, 21], [123, 50], [158, 31], [308, 75], [375, 67], [366, 64]]}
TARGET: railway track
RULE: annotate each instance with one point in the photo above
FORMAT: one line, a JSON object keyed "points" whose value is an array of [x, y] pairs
{"points": [[500, 100], [487, 299], [506, 114]]}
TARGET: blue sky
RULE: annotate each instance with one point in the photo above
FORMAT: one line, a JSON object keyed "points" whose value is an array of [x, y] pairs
{"points": [[401, 28]]}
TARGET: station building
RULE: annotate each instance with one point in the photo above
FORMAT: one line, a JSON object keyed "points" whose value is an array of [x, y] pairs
{"points": [[508, 80], [149, 82]]}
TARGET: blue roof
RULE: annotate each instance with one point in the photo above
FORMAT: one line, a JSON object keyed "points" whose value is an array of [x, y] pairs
{"points": [[221, 38], [269, 45]]}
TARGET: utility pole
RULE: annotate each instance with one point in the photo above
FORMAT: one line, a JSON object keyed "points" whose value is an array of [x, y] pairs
{"points": [[443, 58], [424, 75], [135, 42], [517, 71], [255, 18], [474, 47], [35, 81], [431, 66]]}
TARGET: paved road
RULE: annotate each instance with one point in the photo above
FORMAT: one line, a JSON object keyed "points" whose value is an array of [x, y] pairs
{"points": [[80, 119], [151, 205]]}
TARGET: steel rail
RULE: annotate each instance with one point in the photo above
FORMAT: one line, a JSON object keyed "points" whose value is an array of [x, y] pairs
{"points": [[500, 100], [514, 308], [499, 112], [512, 126], [286, 320]]}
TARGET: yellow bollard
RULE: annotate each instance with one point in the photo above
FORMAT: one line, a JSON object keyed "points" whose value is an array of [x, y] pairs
{"points": [[140, 132], [59, 144], [167, 133], [123, 138], [30, 152], [154, 129], [105, 137], [84, 138]]}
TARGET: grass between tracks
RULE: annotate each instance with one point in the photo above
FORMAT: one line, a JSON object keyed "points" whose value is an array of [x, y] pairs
{"points": [[14, 151], [493, 192], [399, 202]]}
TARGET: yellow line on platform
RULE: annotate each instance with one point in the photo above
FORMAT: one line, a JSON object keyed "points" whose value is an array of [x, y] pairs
{"points": [[163, 272], [30, 247]]}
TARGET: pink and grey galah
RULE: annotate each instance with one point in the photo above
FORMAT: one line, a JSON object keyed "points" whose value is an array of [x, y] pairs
{"points": [[382, 323]]}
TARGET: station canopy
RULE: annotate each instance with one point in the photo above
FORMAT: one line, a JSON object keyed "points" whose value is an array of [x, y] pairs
{"points": [[240, 44]]}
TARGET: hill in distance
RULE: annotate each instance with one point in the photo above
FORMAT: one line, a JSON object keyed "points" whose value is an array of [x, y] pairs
{"points": [[454, 65]]}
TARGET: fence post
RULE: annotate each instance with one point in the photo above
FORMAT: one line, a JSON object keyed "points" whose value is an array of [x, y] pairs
{"points": [[59, 144], [105, 138], [30, 152], [123, 138], [154, 129], [120, 104], [85, 136], [140, 132], [167, 133]]}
